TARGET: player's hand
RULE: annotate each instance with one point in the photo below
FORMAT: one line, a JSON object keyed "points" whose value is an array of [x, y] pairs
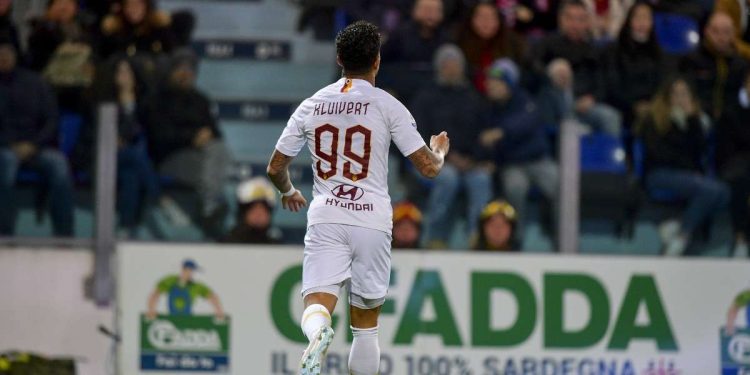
{"points": [[151, 315], [440, 143], [294, 203]]}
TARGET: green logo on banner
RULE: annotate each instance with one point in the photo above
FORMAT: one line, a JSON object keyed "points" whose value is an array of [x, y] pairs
{"points": [[185, 334], [428, 291], [181, 341]]}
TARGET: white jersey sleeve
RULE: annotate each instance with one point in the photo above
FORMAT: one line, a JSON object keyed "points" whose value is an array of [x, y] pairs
{"points": [[403, 128], [293, 138]]}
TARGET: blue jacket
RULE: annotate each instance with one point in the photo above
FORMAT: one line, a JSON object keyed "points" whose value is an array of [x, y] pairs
{"points": [[524, 136]]}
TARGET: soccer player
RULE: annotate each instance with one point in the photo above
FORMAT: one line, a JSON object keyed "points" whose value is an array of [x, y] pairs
{"points": [[348, 127]]}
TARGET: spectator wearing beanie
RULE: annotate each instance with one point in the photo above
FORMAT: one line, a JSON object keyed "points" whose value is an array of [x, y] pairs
{"points": [[516, 135], [451, 104], [407, 226], [185, 141]]}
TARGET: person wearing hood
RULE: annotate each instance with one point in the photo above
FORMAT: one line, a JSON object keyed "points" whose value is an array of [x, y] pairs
{"points": [[185, 141], [256, 199], [715, 68], [451, 104], [517, 137], [28, 138]]}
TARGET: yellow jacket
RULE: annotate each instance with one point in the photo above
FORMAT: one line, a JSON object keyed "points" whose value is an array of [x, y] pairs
{"points": [[736, 9]]}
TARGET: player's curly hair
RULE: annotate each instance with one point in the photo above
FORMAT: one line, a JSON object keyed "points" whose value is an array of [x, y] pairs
{"points": [[357, 46]]}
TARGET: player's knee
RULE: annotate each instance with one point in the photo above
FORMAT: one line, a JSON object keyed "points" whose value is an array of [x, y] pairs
{"points": [[364, 311]]}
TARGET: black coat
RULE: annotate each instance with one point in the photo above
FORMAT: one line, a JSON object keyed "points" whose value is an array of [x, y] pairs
{"points": [[173, 117], [407, 45], [702, 67], [677, 148], [30, 110], [632, 73], [733, 141], [583, 57], [457, 110]]}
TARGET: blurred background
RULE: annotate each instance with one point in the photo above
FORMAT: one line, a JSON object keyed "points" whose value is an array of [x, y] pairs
{"points": [[653, 91], [579, 126]]}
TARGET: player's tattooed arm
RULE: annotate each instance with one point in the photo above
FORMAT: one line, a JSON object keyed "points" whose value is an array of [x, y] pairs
{"points": [[429, 161], [278, 171]]}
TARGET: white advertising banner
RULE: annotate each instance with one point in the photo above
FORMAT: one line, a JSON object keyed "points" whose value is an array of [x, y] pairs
{"points": [[236, 310]]}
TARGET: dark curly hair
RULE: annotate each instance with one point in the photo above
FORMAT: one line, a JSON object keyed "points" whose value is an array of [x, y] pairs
{"points": [[357, 46]]}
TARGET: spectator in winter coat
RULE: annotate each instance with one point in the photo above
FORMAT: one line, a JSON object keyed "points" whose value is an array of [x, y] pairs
{"points": [[573, 43], [739, 10], [185, 142], [451, 104], [733, 163], [634, 64], [417, 40], [715, 68], [518, 138], [28, 138], [674, 135]]}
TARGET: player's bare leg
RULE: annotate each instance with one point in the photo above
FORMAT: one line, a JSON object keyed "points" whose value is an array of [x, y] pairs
{"points": [[316, 324], [364, 358]]}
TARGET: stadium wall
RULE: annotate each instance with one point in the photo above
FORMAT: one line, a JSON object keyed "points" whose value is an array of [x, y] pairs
{"points": [[446, 313], [43, 309]]}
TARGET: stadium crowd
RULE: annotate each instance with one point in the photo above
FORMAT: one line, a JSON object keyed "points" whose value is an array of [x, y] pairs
{"points": [[504, 75], [499, 76]]}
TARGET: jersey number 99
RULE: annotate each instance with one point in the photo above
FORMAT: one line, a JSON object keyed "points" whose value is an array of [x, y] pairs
{"points": [[332, 158]]}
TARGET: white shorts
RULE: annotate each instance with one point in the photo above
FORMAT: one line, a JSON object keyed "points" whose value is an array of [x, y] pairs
{"points": [[337, 255]]}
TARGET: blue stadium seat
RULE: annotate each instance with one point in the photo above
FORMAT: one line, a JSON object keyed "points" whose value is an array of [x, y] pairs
{"points": [[677, 34], [69, 131], [602, 153]]}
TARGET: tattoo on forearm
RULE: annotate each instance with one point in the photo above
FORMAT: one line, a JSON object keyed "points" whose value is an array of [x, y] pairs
{"points": [[427, 162], [278, 171]]}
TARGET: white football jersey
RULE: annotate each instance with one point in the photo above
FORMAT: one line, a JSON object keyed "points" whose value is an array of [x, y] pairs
{"points": [[348, 127]]}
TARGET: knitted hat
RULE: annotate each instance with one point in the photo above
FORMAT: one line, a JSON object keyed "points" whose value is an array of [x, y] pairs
{"points": [[505, 70], [448, 52]]}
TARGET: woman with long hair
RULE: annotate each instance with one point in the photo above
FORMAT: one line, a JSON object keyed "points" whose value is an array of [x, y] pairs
{"points": [[675, 137], [634, 64], [484, 38], [118, 81]]}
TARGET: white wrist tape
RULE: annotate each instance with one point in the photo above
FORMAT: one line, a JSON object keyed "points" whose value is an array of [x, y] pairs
{"points": [[289, 193]]}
